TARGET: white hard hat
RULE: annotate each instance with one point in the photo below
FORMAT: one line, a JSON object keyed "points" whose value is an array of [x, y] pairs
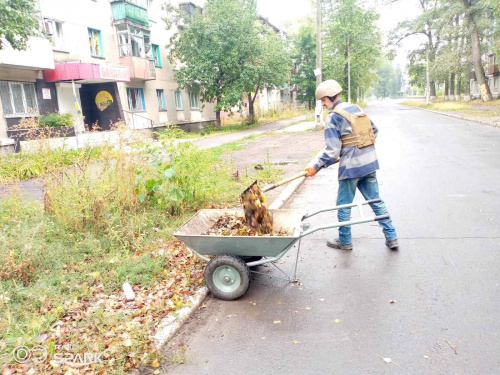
{"points": [[330, 87]]}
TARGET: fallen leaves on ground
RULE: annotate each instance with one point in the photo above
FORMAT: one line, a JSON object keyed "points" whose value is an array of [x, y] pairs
{"points": [[121, 330]]}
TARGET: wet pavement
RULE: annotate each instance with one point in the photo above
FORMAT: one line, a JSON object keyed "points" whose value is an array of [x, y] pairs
{"points": [[440, 178]]}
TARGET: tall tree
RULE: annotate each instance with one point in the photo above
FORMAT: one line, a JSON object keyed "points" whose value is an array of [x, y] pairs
{"points": [[214, 48], [304, 56], [473, 10], [17, 22], [427, 24], [268, 67], [352, 45]]}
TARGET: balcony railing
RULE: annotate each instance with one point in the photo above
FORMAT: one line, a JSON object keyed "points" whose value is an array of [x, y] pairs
{"points": [[124, 10], [493, 69], [140, 68]]}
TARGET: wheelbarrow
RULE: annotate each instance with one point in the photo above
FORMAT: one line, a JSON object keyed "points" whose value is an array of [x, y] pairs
{"points": [[229, 258]]}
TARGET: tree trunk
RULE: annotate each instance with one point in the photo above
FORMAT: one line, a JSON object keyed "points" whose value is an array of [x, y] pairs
{"points": [[251, 112], [446, 89], [217, 119], [467, 82], [452, 86], [433, 90], [476, 55], [459, 84]]}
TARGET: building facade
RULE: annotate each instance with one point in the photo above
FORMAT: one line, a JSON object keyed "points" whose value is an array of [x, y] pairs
{"points": [[110, 56], [492, 76]]}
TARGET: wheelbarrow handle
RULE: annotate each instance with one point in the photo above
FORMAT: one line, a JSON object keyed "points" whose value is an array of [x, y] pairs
{"points": [[308, 215], [285, 181]]}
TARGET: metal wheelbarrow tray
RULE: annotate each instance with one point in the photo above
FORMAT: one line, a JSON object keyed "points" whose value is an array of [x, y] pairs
{"points": [[227, 274]]}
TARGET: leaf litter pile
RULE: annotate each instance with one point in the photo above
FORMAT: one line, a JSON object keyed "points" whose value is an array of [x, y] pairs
{"points": [[257, 215], [235, 225], [258, 221]]}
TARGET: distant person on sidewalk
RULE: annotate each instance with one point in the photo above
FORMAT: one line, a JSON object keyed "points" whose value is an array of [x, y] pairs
{"points": [[358, 161]]}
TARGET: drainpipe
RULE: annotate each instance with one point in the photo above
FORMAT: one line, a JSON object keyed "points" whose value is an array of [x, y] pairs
{"points": [[78, 124]]}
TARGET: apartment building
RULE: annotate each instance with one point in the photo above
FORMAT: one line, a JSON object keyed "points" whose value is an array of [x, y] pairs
{"points": [[492, 75], [110, 56]]}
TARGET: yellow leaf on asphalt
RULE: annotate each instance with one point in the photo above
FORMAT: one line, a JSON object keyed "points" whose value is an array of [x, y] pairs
{"points": [[308, 308], [155, 364], [387, 360], [296, 342], [156, 372], [322, 299], [426, 356], [337, 320], [277, 322], [181, 362]]}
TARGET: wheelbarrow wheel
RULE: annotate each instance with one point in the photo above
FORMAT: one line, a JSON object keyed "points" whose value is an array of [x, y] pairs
{"points": [[227, 277]]}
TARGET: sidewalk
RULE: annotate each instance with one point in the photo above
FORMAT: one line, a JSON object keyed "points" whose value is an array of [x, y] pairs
{"points": [[486, 120]]}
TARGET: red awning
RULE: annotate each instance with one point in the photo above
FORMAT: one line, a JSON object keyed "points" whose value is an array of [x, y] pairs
{"points": [[87, 71]]}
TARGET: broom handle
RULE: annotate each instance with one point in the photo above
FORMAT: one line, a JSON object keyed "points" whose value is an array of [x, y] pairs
{"points": [[285, 181]]}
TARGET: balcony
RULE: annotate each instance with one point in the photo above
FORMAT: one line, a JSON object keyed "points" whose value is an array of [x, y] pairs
{"points": [[38, 55], [140, 69], [493, 69], [124, 10]]}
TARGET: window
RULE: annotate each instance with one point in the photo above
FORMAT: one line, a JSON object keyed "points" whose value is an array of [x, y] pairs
{"points": [[156, 55], [178, 99], [18, 98], [160, 95], [95, 43], [134, 41], [136, 99], [54, 32], [194, 99], [190, 9]]}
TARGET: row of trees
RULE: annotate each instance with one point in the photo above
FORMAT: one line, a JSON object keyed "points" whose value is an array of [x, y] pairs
{"points": [[227, 52], [352, 50], [456, 35]]}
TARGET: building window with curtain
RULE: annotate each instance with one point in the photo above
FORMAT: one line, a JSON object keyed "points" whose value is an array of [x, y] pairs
{"points": [[18, 98], [156, 55], [134, 41], [136, 100], [194, 99], [95, 43], [160, 95], [178, 100]]}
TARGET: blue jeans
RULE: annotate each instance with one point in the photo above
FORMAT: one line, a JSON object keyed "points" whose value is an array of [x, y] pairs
{"points": [[368, 186]]}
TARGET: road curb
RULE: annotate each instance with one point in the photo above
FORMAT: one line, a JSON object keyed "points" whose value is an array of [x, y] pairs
{"points": [[170, 325], [461, 117]]}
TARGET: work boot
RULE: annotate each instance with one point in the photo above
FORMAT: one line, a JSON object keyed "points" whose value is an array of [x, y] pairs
{"points": [[337, 244], [392, 244]]}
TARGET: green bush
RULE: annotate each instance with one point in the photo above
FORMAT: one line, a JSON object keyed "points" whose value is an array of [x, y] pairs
{"points": [[56, 119]]}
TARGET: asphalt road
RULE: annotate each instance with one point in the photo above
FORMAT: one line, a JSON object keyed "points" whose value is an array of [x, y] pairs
{"points": [[440, 178]]}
